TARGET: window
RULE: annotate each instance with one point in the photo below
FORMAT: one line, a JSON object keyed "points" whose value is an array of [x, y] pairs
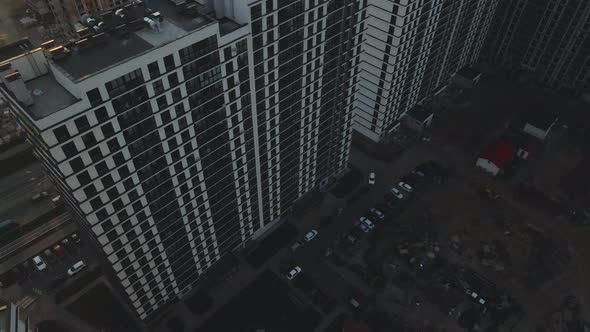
{"points": [[113, 144], [101, 114], [101, 168], [197, 50], [77, 164], [169, 62], [95, 154], [108, 130], [90, 191], [61, 133], [154, 69], [83, 178], [124, 83], [162, 102], [94, 97], [82, 123], [173, 79], [158, 87], [89, 140], [176, 95], [179, 108], [69, 149], [256, 11], [119, 158]]}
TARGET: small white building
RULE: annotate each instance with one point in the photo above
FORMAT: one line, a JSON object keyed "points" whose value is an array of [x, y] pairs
{"points": [[539, 128], [495, 157]]}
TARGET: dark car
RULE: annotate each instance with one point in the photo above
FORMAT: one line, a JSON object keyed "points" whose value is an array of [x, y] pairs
{"points": [[75, 238]]}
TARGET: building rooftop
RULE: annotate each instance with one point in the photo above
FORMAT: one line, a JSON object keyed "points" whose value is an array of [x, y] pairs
{"points": [[124, 39], [98, 57], [226, 25], [499, 153], [17, 48], [49, 96]]}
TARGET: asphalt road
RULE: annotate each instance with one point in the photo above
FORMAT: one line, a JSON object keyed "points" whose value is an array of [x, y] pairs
{"points": [[17, 190]]}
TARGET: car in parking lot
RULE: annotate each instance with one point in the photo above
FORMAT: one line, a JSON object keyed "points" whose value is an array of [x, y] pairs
{"points": [[77, 267], [49, 256], [406, 186], [371, 178], [59, 251], [293, 272], [39, 263], [75, 238], [396, 193], [366, 224], [377, 214], [310, 235]]}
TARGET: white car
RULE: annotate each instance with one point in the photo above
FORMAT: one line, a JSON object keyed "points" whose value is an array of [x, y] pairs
{"points": [[79, 266], [293, 273], [367, 223], [376, 212], [396, 193], [371, 178], [39, 263], [405, 186], [310, 235]]}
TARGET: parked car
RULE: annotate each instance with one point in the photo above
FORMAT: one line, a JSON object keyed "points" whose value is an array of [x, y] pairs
{"points": [[79, 266], [39, 196], [395, 192], [39, 263], [295, 246], [75, 238], [310, 235], [412, 179], [293, 273], [49, 255], [66, 243], [368, 224], [375, 212], [371, 179], [406, 186], [59, 251]]}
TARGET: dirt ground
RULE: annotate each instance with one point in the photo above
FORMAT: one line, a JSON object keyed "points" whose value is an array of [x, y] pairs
{"points": [[538, 256]]}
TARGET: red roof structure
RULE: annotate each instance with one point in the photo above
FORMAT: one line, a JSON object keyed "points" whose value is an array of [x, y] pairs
{"points": [[499, 153]]}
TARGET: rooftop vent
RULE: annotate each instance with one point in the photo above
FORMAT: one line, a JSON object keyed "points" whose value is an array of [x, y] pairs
{"points": [[153, 24], [58, 52], [88, 21]]}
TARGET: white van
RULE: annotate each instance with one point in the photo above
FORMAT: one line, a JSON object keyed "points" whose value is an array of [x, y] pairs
{"points": [[79, 266]]}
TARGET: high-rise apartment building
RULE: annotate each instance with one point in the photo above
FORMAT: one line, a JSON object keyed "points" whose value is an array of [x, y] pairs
{"points": [[178, 132], [550, 39], [410, 48]]}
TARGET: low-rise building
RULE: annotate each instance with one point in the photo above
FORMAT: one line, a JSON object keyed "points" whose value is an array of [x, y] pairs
{"points": [[495, 157]]}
